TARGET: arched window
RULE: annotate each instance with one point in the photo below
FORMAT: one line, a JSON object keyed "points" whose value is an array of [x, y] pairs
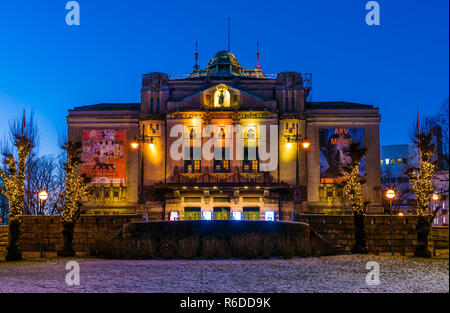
{"points": [[221, 98]]}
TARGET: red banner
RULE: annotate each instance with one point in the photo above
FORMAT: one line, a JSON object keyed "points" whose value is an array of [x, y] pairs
{"points": [[103, 155]]}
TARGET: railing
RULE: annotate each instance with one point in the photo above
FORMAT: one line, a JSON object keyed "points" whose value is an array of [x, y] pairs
{"points": [[221, 178]]}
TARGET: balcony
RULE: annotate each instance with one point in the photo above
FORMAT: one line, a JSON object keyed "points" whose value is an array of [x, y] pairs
{"points": [[208, 177]]}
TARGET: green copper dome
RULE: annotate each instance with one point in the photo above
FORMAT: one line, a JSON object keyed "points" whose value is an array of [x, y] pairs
{"points": [[223, 63]]}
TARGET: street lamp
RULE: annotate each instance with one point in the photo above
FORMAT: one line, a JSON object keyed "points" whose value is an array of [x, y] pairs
{"points": [[136, 144], [305, 145], [390, 194], [43, 196]]}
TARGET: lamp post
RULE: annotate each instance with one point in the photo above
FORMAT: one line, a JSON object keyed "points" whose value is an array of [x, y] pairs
{"points": [[137, 143], [305, 145], [390, 195], [435, 198], [42, 196]]}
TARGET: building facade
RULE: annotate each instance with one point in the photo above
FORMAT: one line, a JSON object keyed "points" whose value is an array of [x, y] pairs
{"points": [[395, 160], [152, 157]]}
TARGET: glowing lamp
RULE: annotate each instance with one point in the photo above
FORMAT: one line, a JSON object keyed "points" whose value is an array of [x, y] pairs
{"points": [[306, 144], [173, 216], [152, 143], [269, 216], [236, 215], [400, 214], [207, 215], [43, 195], [390, 194], [435, 197], [134, 145]]}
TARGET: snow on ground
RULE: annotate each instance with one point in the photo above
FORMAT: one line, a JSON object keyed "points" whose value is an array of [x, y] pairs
{"points": [[325, 274]]}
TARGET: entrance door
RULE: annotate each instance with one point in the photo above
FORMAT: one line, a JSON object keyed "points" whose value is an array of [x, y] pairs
{"points": [[192, 213], [251, 213], [221, 213]]}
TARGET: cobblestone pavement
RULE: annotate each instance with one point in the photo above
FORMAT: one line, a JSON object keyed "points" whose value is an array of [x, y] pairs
{"points": [[325, 274]]}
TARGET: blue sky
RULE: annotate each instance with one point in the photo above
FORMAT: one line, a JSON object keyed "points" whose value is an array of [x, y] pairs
{"points": [[50, 67]]}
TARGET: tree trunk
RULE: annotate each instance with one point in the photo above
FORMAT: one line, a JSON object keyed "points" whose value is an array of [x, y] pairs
{"points": [[13, 250], [423, 230], [68, 229], [360, 234]]}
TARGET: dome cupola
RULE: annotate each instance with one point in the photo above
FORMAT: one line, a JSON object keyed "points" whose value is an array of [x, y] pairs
{"points": [[223, 63]]}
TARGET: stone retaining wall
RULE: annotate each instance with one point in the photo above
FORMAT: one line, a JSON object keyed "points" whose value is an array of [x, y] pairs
{"points": [[45, 232], [3, 238], [339, 230]]}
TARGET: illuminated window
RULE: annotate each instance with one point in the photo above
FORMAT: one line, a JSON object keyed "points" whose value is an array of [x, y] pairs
{"points": [[221, 98], [381, 162], [399, 161], [392, 161], [220, 164], [250, 166], [255, 166], [386, 161], [190, 165]]}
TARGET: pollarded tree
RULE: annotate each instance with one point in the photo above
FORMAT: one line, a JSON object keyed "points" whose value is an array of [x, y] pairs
{"points": [[13, 189], [421, 179], [75, 191], [352, 183]]}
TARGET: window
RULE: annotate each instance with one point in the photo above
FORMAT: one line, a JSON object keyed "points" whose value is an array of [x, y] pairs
{"points": [[381, 162], [157, 105], [190, 165], [399, 161], [392, 161], [293, 104], [286, 104], [221, 98], [405, 161], [222, 165], [250, 166], [151, 105], [386, 161]]}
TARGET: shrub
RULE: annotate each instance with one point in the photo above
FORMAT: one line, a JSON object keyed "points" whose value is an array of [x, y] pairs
{"points": [[168, 248], [285, 247], [246, 246], [267, 247], [188, 248], [110, 247]]}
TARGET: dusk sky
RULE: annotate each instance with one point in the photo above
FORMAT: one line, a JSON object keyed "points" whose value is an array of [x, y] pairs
{"points": [[50, 67]]}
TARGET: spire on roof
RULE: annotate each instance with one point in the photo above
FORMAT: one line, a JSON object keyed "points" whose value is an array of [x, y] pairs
{"points": [[196, 67], [258, 66]]}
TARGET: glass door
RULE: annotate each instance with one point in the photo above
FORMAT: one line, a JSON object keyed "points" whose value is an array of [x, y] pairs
{"points": [[251, 213], [221, 213]]}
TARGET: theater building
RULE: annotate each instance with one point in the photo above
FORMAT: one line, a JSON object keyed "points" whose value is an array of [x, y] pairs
{"points": [[128, 148]]}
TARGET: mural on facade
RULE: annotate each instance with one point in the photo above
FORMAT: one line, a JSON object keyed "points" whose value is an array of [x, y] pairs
{"points": [[332, 144], [103, 155]]}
